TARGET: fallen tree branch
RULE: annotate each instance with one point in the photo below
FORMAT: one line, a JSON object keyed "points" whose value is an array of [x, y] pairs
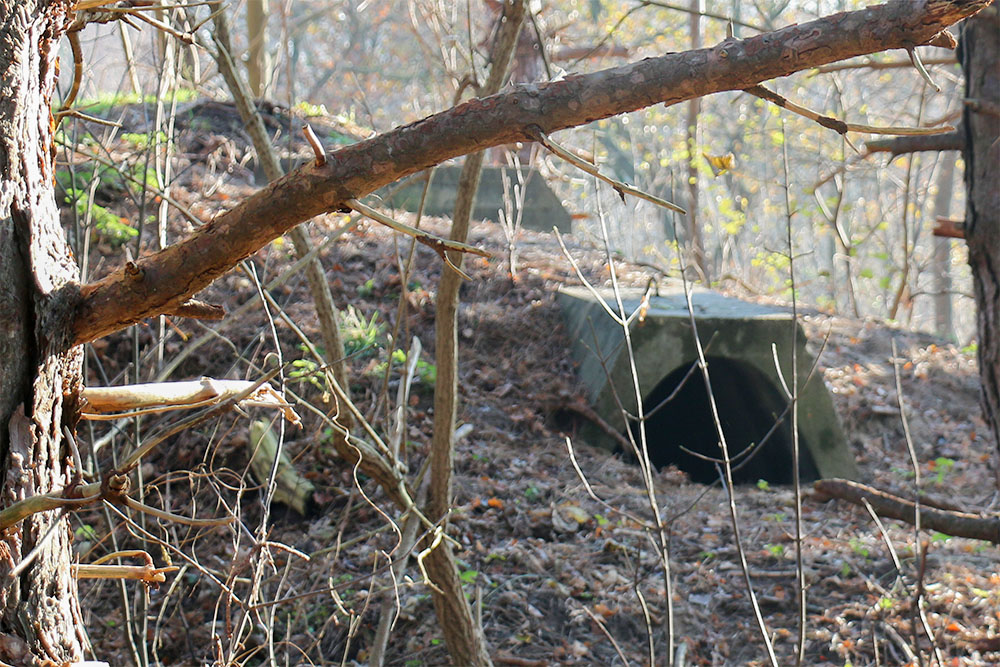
{"points": [[169, 277], [104, 402], [949, 522]]}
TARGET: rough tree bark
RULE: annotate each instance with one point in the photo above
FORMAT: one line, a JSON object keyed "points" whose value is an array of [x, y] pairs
{"points": [[980, 58], [40, 373], [462, 632]]}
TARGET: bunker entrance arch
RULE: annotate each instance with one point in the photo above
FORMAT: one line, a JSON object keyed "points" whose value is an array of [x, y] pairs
{"points": [[753, 413], [745, 341]]}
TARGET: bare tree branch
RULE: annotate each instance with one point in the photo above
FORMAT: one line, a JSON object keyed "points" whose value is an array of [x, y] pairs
{"points": [[950, 141], [949, 522]]}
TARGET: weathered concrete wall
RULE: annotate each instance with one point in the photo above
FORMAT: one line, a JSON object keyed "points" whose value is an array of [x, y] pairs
{"points": [[542, 208], [739, 336]]}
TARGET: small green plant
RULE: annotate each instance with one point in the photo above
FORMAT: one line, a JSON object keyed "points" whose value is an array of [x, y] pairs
{"points": [[361, 335], [532, 493], [885, 603], [777, 517], [142, 140], [366, 290], [317, 616], [601, 520], [469, 576], [942, 465], [858, 547], [112, 183], [306, 370], [426, 372], [763, 485], [776, 550], [311, 110], [108, 226], [905, 473], [845, 569], [103, 103], [85, 532]]}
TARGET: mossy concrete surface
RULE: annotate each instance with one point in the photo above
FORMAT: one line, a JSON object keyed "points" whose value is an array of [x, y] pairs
{"points": [[738, 335], [542, 208]]}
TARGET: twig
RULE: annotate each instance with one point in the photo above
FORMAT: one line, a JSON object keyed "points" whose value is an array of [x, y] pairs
{"points": [[726, 469], [793, 397], [915, 59], [74, 44], [885, 535], [143, 573], [919, 545], [435, 243], [166, 396], [314, 143], [590, 168], [177, 518], [839, 125], [590, 489], [197, 310], [876, 65], [600, 624]]}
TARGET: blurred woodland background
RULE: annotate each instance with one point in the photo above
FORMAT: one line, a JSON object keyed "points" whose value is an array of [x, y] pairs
{"points": [[865, 217]]}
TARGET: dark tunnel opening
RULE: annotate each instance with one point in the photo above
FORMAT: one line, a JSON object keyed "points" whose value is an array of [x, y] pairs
{"points": [[748, 406]]}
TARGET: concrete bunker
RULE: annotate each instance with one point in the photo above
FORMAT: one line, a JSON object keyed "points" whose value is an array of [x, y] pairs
{"points": [[758, 433], [542, 208], [738, 337]]}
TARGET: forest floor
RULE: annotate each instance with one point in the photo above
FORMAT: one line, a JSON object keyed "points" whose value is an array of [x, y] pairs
{"points": [[556, 576]]}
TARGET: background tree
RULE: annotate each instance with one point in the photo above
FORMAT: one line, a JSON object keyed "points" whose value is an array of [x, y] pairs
{"points": [[980, 56], [39, 366]]}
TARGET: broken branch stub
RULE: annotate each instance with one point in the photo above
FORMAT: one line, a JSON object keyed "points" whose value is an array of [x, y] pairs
{"points": [[102, 403]]}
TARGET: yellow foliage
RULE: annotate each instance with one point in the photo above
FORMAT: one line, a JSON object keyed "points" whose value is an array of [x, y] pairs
{"points": [[720, 164]]}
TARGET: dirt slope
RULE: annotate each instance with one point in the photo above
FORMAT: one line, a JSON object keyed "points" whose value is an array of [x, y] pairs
{"points": [[555, 574]]}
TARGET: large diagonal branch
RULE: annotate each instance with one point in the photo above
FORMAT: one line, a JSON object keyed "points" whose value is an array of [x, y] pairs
{"points": [[160, 282]]}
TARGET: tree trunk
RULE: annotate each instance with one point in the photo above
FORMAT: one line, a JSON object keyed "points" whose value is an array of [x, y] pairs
{"points": [[980, 58], [258, 59], [691, 223], [941, 263], [462, 632], [39, 373]]}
